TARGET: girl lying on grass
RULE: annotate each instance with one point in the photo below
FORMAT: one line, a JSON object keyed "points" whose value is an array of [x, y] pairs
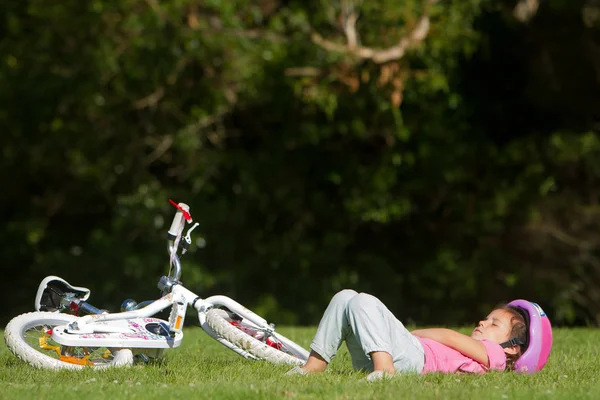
{"points": [[379, 343]]}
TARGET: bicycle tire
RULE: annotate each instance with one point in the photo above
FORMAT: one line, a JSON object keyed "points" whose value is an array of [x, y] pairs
{"points": [[220, 321], [17, 333]]}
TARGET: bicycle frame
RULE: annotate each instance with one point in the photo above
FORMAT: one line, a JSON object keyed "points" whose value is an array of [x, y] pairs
{"points": [[88, 330]]}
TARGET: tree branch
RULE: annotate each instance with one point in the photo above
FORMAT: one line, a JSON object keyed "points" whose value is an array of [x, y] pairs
{"points": [[379, 56], [159, 150], [151, 100], [303, 71], [526, 9], [565, 238], [349, 23]]}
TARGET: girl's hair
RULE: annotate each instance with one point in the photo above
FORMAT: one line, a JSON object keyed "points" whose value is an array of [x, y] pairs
{"points": [[519, 331]]}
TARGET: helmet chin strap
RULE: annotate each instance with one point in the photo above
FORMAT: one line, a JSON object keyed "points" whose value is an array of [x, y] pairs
{"points": [[512, 342]]}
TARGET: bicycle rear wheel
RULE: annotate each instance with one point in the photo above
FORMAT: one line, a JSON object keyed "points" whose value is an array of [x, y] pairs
{"points": [[272, 347], [29, 337]]}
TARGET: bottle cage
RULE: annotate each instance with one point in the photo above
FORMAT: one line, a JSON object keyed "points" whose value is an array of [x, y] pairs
{"points": [[539, 337]]}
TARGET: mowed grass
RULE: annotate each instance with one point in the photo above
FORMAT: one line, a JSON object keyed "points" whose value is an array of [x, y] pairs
{"points": [[202, 368]]}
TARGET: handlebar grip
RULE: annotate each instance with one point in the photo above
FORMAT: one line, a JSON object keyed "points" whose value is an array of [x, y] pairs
{"points": [[177, 225]]}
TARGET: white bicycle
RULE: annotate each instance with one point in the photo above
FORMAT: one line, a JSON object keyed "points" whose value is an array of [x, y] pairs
{"points": [[55, 337]]}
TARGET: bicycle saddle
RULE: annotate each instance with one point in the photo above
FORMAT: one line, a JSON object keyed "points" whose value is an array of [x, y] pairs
{"points": [[52, 289]]}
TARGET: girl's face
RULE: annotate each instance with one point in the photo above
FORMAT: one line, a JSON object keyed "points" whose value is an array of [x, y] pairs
{"points": [[496, 327]]}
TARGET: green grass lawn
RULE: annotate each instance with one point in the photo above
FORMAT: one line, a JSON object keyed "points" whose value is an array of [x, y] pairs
{"points": [[202, 368]]}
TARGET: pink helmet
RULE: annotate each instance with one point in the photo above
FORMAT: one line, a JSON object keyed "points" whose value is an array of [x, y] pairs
{"points": [[539, 337]]}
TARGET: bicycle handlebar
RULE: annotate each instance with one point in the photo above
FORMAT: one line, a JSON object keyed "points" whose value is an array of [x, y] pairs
{"points": [[183, 212], [174, 235]]}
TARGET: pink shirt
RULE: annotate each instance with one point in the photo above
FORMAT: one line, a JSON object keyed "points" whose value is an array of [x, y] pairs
{"points": [[441, 358]]}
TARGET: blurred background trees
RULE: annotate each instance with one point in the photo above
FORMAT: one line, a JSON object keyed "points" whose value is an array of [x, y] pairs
{"points": [[442, 155]]}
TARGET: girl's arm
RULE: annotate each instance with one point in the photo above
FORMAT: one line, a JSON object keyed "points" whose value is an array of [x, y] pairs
{"points": [[464, 344]]}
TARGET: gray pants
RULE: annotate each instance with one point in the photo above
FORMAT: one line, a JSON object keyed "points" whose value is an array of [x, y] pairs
{"points": [[366, 325]]}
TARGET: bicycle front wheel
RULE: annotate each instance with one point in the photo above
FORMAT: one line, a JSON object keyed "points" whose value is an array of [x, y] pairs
{"points": [[271, 347], [29, 337]]}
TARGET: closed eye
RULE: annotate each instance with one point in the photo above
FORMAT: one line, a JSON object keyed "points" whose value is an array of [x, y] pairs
{"points": [[495, 322]]}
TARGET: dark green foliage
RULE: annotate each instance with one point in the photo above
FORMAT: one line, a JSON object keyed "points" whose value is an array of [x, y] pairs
{"points": [[462, 174]]}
